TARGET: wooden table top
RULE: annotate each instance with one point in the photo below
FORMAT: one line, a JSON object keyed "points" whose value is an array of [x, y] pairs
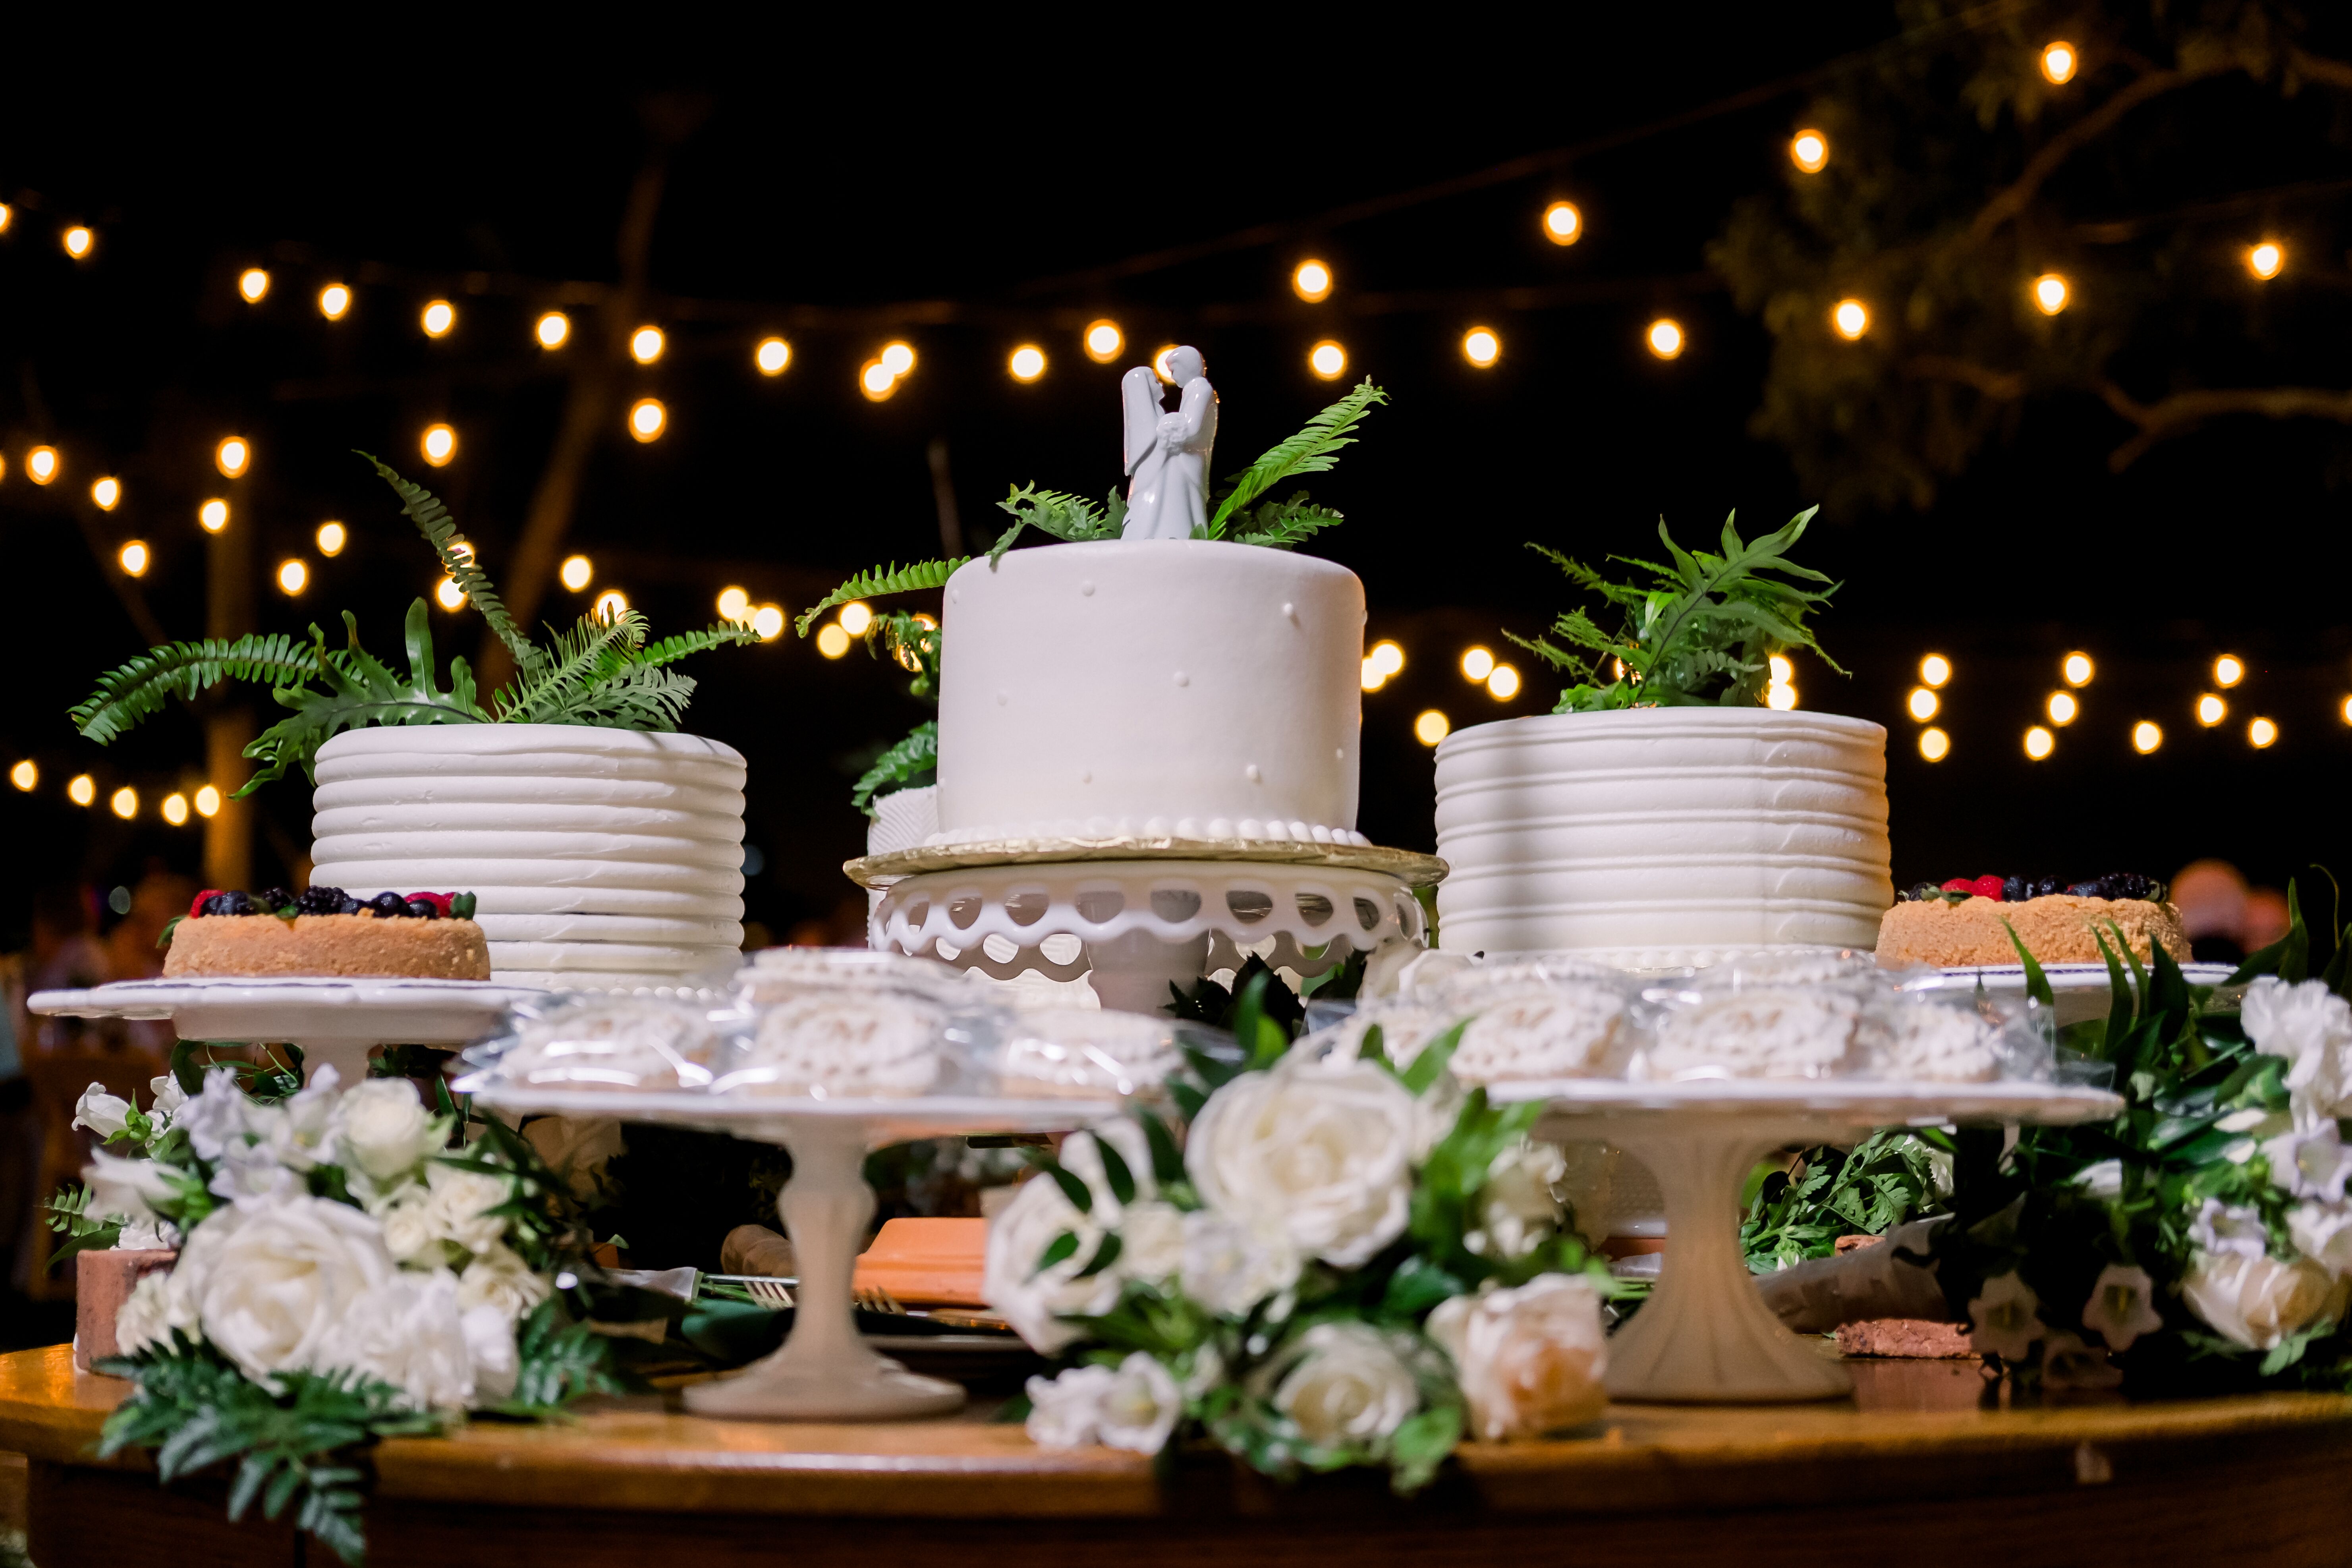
{"points": [[1920, 1428]]}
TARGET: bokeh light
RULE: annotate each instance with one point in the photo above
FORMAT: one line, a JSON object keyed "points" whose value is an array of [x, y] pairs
{"points": [[124, 803], [772, 356], [331, 537], [1481, 347], [1103, 340], [176, 808], [106, 493], [645, 344], [1328, 360], [2146, 737], [1923, 704], [2076, 670], [1503, 682], [1431, 727], [2062, 707], [734, 603], [233, 456], [553, 330], [855, 618], [208, 801], [1851, 318], [831, 640], [2261, 733], [576, 572], [1478, 663], [253, 283], [2039, 742], [439, 445], [1810, 151], [81, 789], [135, 558], [1027, 363], [2211, 710], [293, 576], [1563, 224], [2059, 62], [1388, 657], [610, 604], [897, 358], [1933, 744], [2228, 671], [1935, 670], [42, 464], [647, 418], [2266, 259], [1311, 280], [1665, 337], [2051, 293], [335, 301], [213, 516], [448, 594], [26, 775], [768, 621]]}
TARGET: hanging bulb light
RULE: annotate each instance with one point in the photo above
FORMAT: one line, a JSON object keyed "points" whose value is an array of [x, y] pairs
{"points": [[1562, 224], [2051, 293], [2059, 62], [253, 283], [1851, 318], [1810, 151], [648, 419], [335, 301], [437, 319], [772, 356], [1027, 363], [645, 344], [233, 456], [1481, 347], [1103, 340], [553, 330], [439, 445], [1311, 280], [1665, 337]]}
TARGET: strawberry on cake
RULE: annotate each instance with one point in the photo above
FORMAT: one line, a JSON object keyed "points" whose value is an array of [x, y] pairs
{"points": [[324, 931]]}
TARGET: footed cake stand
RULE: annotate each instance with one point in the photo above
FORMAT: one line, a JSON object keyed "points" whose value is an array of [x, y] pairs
{"points": [[1705, 1336], [1135, 915], [825, 1372], [332, 1020]]}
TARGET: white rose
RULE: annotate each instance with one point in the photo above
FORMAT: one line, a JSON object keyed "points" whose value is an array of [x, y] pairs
{"points": [[1530, 1359], [500, 1279], [1517, 1208], [1066, 1412], [274, 1287], [2121, 1308], [169, 1097], [249, 1174], [2311, 1165], [1139, 1410], [412, 1231], [299, 1135], [2229, 1228], [409, 1331], [150, 1313], [382, 1130], [2003, 1321], [104, 1114], [2103, 1180], [461, 1202], [490, 1346], [2310, 1027], [1345, 1386], [1322, 1157], [1229, 1270], [128, 1189], [220, 1115], [147, 1235], [2258, 1302], [1033, 1300], [1151, 1241], [2323, 1232]]}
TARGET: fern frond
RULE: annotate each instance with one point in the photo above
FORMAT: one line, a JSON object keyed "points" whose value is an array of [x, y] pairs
{"points": [[589, 652], [1280, 524], [1064, 516], [880, 580], [141, 688], [1313, 450], [913, 762], [669, 650], [635, 698], [423, 509]]}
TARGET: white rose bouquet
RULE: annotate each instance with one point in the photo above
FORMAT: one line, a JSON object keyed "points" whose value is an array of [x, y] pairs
{"points": [[1342, 1263], [349, 1267]]}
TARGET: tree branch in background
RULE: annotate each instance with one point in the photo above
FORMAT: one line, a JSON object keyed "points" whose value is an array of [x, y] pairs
{"points": [[2007, 203], [2001, 385], [2183, 411]]}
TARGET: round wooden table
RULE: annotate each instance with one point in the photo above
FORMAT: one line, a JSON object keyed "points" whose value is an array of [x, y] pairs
{"points": [[1918, 1468]]}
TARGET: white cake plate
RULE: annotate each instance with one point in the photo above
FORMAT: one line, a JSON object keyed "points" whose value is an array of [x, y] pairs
{"points": [[332, 1020], [1705, 1335], [825, 1370], [2080, 990]]}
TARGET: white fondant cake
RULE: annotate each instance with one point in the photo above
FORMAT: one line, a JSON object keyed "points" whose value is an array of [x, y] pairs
{"points": [[1158, 688], [1658, 837], [597, 858]]}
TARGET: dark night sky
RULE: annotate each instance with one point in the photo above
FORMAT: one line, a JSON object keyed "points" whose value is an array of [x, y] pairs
{"points": [[848, 178]]}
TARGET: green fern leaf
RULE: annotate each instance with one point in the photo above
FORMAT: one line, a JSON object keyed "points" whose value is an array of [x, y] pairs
{"points": [[880, 580], [1312, 451], [141, 688], [1280, 525], [912, 762], [432, 519], [669, 650], [593, 650]]}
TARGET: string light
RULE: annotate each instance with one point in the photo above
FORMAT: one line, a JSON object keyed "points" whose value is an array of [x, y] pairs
{"points": [[25, 774], [2051, 293], [645, 344], [106, 492], [1162, 365], [1851, 318], [2039, 742], [7, 215], [1935, 670], [78, 240], [831, 640], [1103, 340], [135, 558], [1781, 696], [81, 789], [1810, 151], [1562, 224], [438, 318], [647, 418], [1311, 281], [1388, 657], [855, 618], [42, 464], [897, 358], [450, 596], [2076, 670], [2346, 711], [1503, 683], [1933, 744], [208, 801], [1371, 675], [772, 356], [293, 576], [334, 302], [1328, 360], [1481, 347], [233, 456], [734, 603], [175, 809], [2062, 707], [2228, 671], [612, 604], [553, 330], [1922, 703], [2211, 710], [874, 379], [124, 803], [1027, 363], [439, 445], [213, 516], [2146, 737], [1665, 337], [1777, 670], [576, 572], [2261, 733], [331, 537], [253, 283], [1431, 727], [768, 621], [2266, 259], [1478, 663], [2059, 62]]}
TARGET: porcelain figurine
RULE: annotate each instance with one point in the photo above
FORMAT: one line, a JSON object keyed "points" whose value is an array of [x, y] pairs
{"points": [[1168, 454]]}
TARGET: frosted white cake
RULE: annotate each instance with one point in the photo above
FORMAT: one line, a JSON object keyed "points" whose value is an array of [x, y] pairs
{"points": [[1158, 688], [597, 858], [1659, 837]]}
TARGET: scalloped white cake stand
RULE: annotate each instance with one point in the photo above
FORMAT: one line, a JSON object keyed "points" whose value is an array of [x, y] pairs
{"points": [[825, 1370], [332, 1020], [1705, 1336]]}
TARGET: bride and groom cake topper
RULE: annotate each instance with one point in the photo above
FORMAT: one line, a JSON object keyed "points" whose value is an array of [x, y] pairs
{"points": [[1168, 453]]}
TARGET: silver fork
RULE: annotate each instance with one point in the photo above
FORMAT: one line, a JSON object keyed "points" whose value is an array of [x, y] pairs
{"points": [[769, 1292], [874, 1299]]}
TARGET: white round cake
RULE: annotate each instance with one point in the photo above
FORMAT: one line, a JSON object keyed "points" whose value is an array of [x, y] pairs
{"points": [[604, 859], [1173, 687], [1653, 838]]}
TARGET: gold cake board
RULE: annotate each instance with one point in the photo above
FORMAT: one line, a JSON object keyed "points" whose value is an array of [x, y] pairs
{"points": [[1412, 869]]}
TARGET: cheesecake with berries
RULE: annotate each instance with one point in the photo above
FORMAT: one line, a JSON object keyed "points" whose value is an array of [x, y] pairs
{"points": [[1965, 924], [325, 932]]}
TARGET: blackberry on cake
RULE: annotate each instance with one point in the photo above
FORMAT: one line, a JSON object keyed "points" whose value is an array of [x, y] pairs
{"points": [[324, 933], [1966, 922]]}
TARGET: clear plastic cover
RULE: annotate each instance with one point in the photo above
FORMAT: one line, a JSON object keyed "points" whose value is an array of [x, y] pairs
{"points": [[620, 1044], [1057, 1051]]}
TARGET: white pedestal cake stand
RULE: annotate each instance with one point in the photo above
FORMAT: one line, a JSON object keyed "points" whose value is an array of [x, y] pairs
{"points": [[825, 1372], [332, 1020], [1705, 1335], [1135, 915]]}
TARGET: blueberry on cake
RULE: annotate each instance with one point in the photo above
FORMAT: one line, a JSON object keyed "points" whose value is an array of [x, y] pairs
{"points": [[325, 932], [1965, 923]]}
